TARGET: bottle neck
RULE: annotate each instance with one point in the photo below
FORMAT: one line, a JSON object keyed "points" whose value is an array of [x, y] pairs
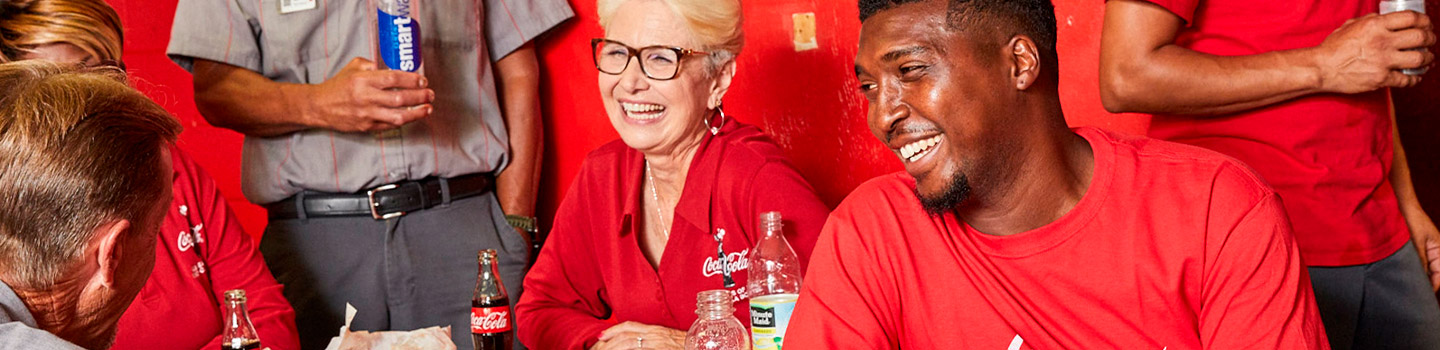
{"points": [[235, 307], [771, 228], [715, 311], [488, 284]]}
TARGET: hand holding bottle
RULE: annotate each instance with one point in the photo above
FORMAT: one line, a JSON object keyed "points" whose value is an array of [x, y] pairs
{"points": [[636, 335]]}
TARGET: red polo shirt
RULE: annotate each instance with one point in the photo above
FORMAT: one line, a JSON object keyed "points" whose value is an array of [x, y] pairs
{"points": [[202, 253], [1172, 247], [592, 275], [1328, 155]]}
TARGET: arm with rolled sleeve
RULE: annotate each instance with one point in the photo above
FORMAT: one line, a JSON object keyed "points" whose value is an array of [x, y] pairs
{"points": [[561, 307], [233, 262], [1256, 292], [1142, 69]]}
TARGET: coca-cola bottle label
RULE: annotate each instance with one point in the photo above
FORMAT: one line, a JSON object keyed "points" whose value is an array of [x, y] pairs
{"points": [[486, 320]]}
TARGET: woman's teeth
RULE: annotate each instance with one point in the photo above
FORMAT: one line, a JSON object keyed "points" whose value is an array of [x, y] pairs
{"points": [[914, 150], [642, 110]]}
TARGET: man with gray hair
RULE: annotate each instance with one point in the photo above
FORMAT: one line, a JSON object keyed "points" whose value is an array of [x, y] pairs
{"points": [[86, 171]]}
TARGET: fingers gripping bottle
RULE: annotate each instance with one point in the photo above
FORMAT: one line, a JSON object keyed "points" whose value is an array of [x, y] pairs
{"points": [[398, 37], [773, 283]]}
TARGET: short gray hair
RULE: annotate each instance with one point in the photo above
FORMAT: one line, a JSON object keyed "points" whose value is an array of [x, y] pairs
{"points": [[77, 149]]}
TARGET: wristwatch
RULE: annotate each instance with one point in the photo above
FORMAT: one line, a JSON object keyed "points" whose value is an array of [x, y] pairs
{"points": [[523, 223]]}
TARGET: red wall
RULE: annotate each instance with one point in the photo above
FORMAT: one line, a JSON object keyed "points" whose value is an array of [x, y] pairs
{"points": [[806, 100], [147, 31]]}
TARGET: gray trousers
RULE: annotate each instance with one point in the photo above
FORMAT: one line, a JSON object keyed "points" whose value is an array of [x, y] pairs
{"points": [[410, 272], [1387, 304]]}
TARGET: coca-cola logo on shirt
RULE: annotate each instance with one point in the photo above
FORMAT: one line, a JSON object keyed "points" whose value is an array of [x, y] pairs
{"points": [[486, 320], [735, 261]]}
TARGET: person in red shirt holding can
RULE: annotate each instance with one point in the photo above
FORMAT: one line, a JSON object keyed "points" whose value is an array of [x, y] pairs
{"points": [[202, 251], [1009, 230], [638, 235], [1299, 91]]}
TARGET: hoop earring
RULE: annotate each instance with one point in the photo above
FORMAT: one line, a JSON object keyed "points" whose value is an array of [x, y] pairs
{"points": [[715, 129]]}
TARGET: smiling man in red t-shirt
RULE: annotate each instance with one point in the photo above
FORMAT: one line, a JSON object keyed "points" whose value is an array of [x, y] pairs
{"points": [[1297, 90], [1008, 230]]}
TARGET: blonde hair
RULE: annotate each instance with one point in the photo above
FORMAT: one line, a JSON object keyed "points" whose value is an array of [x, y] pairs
{"points": [[716, 24], [78, 148], [91, 25]]}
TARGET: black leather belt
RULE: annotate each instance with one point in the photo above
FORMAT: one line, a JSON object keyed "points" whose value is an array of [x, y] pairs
{"points": [[382, 202]]}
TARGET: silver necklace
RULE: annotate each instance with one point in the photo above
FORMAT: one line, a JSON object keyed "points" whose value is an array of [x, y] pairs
{"points": [[659, 215]]}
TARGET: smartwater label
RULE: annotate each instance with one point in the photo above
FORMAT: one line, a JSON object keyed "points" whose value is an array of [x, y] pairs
{"points": [[399, 37]]}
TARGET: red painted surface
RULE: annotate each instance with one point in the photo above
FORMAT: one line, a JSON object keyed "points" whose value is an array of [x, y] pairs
{"points": [[147, 32], [806, 100]]}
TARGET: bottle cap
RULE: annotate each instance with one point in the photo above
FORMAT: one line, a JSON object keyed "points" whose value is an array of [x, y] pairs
{"points": [[235, 294]]}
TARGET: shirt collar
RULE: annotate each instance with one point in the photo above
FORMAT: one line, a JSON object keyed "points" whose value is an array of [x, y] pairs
{"points": [[12, 309], [693, 208]]}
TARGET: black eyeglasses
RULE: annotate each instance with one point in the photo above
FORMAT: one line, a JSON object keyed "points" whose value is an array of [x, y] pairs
{"points": [[657, 62]]}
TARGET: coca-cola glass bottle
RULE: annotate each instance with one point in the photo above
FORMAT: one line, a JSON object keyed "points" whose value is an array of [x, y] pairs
{"points": [[239, 333], [490, 309], [773, 283], [717, 328]]}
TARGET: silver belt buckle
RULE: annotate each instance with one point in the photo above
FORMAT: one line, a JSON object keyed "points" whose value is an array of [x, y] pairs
{"points": [[374, 212]]}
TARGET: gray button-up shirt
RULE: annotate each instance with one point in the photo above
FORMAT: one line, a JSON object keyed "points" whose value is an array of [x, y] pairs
{"points": [[18, 329], [460, 40]]}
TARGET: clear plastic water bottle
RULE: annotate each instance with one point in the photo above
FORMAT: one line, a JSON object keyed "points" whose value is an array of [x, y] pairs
{"points": [[774, 284], [398, 35], [717, 328], [1388, 6]]}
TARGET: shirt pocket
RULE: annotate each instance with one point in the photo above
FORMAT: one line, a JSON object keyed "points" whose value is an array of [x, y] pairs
{"points": [[310, 46]]}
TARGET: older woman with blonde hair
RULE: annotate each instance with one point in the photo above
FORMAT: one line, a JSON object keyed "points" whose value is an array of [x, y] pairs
{"points": [[202, 251], [86, 32], [672, 208]]}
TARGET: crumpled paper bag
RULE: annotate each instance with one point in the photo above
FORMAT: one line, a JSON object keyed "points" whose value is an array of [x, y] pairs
{"points": [[433, 338]]}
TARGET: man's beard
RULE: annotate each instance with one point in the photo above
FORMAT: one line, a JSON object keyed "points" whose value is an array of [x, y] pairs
{"points": [[954, 193]]}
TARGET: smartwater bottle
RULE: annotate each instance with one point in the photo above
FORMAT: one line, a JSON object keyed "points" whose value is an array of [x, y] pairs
{"points": [[398, 37], [1388, 6]]}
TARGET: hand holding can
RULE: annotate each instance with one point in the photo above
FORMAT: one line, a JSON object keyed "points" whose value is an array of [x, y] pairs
{"points": [[1392, 6]]}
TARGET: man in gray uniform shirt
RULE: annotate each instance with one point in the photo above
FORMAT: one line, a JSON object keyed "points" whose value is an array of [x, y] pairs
{"points": [[381, 185], [87, 178]]}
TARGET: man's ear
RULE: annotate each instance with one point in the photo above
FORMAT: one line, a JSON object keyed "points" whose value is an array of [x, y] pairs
{"points": [[110, 238], [1025, 60], [721, 85]]}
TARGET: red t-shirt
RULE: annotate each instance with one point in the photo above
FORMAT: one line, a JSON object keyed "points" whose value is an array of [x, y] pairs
{"points": [[1172, 247], [1327, 155], [592, 275], [201, 253]]}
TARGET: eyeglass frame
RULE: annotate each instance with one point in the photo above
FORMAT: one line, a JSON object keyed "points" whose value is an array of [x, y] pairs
{"points": [[631, 52]]}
